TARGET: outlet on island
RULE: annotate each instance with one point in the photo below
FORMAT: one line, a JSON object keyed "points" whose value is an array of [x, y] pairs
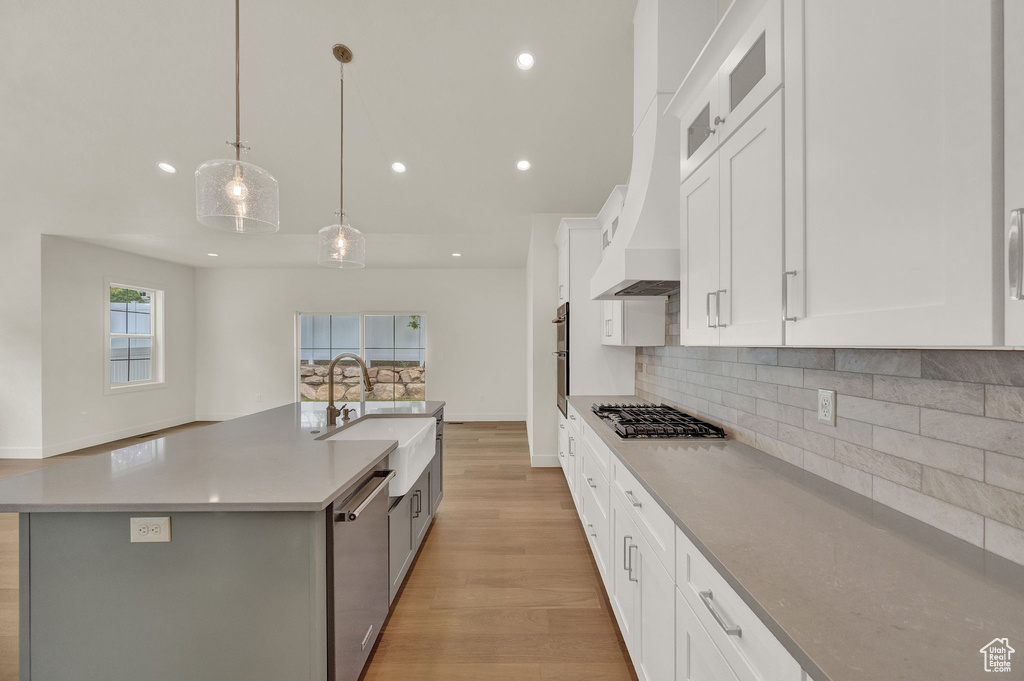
{"points": [[151, 529]]}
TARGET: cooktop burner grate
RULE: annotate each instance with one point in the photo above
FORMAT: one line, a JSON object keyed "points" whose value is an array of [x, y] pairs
{"points": [[655, 421]]}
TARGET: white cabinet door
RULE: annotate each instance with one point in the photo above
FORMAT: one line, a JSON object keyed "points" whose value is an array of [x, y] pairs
{"points": [[1013, 60], [697, 656], [563, 272], [623, 595], [751, 223], [611, 322], [699, 243], [656, 624], [889, 171], [571, 464], [698, 139], [563, 442]]}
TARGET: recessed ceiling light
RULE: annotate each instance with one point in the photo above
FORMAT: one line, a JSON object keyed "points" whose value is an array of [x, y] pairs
{"points": [[213, 255], [398, 167], [456, 255], [166, 167], [523, 165], [524, 61]]}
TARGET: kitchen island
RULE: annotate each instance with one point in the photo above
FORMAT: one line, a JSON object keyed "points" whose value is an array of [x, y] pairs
{"points": [[259, 579]]}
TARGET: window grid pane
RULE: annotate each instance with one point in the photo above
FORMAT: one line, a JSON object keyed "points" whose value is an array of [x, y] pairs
{"points": [[394, 351], [131, 359]]}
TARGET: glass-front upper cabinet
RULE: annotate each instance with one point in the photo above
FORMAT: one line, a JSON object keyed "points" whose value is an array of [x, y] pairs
{"points": [[747, 73]]}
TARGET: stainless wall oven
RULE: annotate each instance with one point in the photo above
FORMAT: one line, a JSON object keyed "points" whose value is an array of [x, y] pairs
{"points": [[561, 322]]}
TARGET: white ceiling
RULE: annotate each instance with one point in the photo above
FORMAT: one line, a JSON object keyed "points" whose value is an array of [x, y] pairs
{"points": [[94, 94]]}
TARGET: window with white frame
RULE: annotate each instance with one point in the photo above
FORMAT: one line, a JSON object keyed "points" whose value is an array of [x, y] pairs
{"points": [[133, 336], [393, 345]]}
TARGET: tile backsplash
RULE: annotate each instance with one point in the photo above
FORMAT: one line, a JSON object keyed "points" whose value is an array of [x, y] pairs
{"points": [[936, 434]]}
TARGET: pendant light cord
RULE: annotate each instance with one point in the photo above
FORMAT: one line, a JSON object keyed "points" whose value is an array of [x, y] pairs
{"points": [[238, 104], [341, 146]]}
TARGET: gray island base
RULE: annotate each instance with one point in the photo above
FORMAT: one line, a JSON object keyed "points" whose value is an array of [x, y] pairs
{"points": [[260, 580]]}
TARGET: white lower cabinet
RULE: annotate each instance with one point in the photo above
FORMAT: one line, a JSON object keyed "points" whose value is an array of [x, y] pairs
{"points": [[641, 596], [563, 440], [697, 656], [655, 632], [679, 618], [621, 592]]}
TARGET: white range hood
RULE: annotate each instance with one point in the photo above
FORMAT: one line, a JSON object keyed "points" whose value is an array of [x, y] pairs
{"points": [[643, 258]]}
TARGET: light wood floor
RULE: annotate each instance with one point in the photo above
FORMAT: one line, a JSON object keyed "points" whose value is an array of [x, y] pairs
{"points": [[504, 588]]}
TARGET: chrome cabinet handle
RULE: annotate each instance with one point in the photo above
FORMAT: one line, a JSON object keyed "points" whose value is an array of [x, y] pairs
{"points": [[630, 552], [707, 307], [719, 120], [709, 602], [562, 426], [592, 534], [384, 477], [572, 416], [1015, 255], [785, 295], [632, 499], [572, 441], [560, 287], [590, 481], [419, 505], [607, 328], [718, 309], [366, 639], [625, 551]]}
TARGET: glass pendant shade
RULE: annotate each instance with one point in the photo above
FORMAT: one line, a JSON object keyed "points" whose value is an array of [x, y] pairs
{"points": [[342, 246], [236, 196]]}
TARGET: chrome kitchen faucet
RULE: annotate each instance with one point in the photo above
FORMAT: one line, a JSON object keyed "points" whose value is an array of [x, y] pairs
{"points": [[332, 411]]}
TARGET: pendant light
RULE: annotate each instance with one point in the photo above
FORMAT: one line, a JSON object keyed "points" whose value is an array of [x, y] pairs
{"points": [[233, 195], [342, 245]]}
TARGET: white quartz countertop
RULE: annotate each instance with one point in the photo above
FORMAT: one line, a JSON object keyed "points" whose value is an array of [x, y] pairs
{"points": [[269, 461]]}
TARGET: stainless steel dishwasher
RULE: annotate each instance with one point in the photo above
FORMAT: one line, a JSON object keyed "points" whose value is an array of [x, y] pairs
{"points": [[357, 575]]}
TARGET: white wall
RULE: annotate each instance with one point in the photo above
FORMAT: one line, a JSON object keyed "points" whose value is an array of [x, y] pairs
{"points": [[542, 301], [476, 349], [21, 430], [76, 412]]}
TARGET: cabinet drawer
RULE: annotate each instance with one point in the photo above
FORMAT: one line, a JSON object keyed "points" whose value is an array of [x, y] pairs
{"points": [[598, 451], [752, 645], [575, 420], [594, 479], [655, 524], [697, 656], [597, 524]]}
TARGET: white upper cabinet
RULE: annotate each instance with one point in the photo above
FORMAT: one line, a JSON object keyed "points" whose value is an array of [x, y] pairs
{"points": [[699, 243], [749, 297], [891, 158], [731, 197], [1013, 59], [738, 71]]}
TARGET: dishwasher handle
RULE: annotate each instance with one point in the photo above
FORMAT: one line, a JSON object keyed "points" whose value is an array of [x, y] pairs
{"points": [[382, 479]]}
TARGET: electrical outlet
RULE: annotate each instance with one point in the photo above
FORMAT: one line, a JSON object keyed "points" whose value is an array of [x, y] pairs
{"points": [[151, 529], [827, 407], [259, 397]]}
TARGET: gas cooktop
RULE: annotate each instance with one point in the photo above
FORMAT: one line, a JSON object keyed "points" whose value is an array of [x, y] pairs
{"points": [[631, 421]]}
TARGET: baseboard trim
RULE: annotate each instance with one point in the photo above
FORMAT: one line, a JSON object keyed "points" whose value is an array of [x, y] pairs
{"points": [[101, 438], [544, 461], [21, 452], [219, 417]]}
